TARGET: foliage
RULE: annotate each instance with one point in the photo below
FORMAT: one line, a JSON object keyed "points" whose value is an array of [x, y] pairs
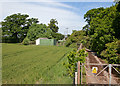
{"points": [[39, 30], [7, 39], [57, 36], [0, 35], [116, 1], [42, 31], [16, 26], [73, 57], [53, 25], [73, 45], [93, 13], [76, 37], [101, 28], [116, 21], [26, 41], [111, 53], [34, 64]]}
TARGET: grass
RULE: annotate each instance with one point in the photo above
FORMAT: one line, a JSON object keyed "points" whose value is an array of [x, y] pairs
{"points": [[84, 76], [0, 64], [34, 64]]}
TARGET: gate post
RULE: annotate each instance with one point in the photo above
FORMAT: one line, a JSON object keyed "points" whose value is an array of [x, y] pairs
{"points": [[78, 71], [75, 78], [110, 70], [81, 71]]}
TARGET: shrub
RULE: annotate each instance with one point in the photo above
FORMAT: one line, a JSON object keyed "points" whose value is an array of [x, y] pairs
{"points": [[73, 45], [26, 41], [112, 52], [73, 57]]}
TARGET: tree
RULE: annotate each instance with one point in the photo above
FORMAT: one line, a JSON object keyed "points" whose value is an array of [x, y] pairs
{"points": [[116, 21], [16, 26], [57, 36], [111, 52], [37, 31], [76, 37], [53, 25], [91, 14], [103, 27]]}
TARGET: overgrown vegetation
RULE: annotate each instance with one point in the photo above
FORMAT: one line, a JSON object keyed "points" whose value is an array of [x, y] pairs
{"points": [[101, 33], [75, 38], [73, 57], [112, 52], [103, 29]]}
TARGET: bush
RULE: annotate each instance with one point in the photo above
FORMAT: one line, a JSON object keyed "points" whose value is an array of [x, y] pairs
{"points": [[32, 42], [112, 52], [72, 58], [77, 37], [9, 40], [73, 45], [26, 41]]}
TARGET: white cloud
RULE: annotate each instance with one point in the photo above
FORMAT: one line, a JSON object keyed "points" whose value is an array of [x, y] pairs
{"points": [[56, 0], [44, 12]]}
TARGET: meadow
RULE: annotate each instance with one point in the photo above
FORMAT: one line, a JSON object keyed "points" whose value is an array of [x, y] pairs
{"points": [[34, 64]]}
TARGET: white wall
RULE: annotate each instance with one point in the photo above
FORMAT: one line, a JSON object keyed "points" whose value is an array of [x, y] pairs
{"points": [[37, 41]]}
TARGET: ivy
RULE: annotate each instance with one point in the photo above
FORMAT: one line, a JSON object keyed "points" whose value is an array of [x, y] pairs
{"points": [[73, 57]]}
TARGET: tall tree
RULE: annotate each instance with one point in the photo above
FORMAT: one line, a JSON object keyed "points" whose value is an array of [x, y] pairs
{"points": [[16, 26], [93, 13], [37, 31], [57, 36], [53, 25], [103, 26], [116, 21]]}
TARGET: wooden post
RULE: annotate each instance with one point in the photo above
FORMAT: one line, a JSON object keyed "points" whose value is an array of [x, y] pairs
{"points": [[77, 80], [81, 72], [78, 67], [78, 70], [110, 69]]}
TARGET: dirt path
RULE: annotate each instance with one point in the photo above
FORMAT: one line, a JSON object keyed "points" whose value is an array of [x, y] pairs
{"points": [[102, 78]]}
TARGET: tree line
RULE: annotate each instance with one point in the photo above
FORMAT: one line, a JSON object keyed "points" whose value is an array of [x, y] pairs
{"points": [[18, 28], [101, 33]]}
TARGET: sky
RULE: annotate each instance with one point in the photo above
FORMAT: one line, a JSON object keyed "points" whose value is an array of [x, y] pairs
{"points": [[68, 13]]}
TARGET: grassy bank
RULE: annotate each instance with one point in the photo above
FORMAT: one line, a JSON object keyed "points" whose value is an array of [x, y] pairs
{"points": [[33, 64]]}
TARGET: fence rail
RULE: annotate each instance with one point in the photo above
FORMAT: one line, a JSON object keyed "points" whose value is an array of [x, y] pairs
{"points": [[79, 74], [110, 66]]}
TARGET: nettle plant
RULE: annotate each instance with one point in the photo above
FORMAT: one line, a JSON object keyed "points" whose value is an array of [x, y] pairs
{"points": [[72, 58]]}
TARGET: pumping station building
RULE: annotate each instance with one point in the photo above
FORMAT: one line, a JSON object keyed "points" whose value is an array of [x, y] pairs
{"points": [[45, 41]]}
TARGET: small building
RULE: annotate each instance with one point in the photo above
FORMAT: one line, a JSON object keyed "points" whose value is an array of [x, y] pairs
{"points": [[45, 41]]}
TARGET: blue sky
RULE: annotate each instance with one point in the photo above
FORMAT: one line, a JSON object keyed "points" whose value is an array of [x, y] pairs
{"points": [[69, 14]]}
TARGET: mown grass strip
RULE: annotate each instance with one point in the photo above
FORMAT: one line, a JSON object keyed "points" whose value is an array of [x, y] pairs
{"points": [[28, 64]]}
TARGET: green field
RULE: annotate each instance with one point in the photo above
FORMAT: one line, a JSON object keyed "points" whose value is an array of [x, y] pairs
{"points": [[34, 64]]}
